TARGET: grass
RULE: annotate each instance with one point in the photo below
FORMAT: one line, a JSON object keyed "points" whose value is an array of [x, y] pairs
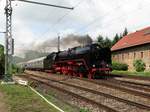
{"points": [[84, 110], [22, 99], [131, 73]]}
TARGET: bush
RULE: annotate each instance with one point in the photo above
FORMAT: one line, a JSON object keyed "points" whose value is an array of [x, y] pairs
{"points": [[84, 110], [16, 69], [119, 66], [139, 65], [2, 60]]}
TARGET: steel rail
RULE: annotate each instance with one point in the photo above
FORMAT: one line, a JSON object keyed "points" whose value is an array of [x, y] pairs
{"points": [[135, 83], [131, 77], [113, 85], [131, 85], [108, 109], [99, 93]]}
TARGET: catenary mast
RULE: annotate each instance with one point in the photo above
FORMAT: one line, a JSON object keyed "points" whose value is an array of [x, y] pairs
{"points": [[9, 41]]}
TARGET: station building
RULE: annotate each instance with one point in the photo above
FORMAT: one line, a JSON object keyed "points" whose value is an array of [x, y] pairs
{"points": [[133, 46]]}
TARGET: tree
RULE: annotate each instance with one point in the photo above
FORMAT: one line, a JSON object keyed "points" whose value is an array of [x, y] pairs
{"points": [[116, 39], [100, 40], [104, 42], [125, 32], [2, 60], [107, 42], [120, 36]]}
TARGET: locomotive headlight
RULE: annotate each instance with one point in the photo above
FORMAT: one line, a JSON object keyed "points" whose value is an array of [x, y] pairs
{"points": [[93, 65], [107, 65]]}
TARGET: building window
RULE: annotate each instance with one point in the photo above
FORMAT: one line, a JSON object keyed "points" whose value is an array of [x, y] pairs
{"points": [[122, 56], [118, 57], [141, 54], [134, 55], [128, 55]]}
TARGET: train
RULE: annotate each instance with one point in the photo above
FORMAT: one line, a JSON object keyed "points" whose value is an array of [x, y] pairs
{"points": [[82, 61]]}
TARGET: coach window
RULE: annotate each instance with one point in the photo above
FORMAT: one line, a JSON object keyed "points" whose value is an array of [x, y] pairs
{"points": [[141, 54]]}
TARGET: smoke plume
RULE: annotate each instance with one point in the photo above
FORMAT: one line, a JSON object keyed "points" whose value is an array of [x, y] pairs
{"points": [[69, 41], [50, 45]]}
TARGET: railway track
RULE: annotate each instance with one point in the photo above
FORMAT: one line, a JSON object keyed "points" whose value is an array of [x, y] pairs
{"points": [[46, 82], [132, 77], [121, 86], [136, 86], [131, 87], [144, 83], [138, 90], [118, 101]]}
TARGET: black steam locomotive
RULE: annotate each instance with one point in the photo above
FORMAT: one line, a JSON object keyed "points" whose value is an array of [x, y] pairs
{"points": [[78, 61]]}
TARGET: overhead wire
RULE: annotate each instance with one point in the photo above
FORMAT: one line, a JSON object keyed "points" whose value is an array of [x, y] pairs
{"points": [[81, 29], [114, 19], [45, 4], [95, 20], [61, 18]]}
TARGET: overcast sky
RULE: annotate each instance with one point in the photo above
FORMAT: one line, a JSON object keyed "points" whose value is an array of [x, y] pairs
{"points": [[34, 24]]}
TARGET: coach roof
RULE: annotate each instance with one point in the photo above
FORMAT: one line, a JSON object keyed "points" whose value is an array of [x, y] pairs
{"points": [[37, 59]]}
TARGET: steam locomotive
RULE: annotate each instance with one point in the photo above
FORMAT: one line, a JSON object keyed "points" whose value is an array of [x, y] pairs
{"points": [[80, 61]]}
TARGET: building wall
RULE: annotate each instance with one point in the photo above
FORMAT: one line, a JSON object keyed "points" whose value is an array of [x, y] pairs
{"points": [[129, 55]]}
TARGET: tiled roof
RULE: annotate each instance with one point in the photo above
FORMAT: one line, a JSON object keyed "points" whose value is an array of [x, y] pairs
{"points": [[137, 38]]}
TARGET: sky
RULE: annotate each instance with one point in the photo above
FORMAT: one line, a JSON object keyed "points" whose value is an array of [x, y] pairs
{"points": [[33, 24]]}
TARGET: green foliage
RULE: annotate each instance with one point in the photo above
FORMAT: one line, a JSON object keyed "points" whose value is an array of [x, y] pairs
{"points": [[125, 32], [104, 42], [116, 39], [120, 36], [139, 65], [119, 66], [147, 74], [16, 69], [100, 40], [2, 60], [109, 43], [84, 110]]}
